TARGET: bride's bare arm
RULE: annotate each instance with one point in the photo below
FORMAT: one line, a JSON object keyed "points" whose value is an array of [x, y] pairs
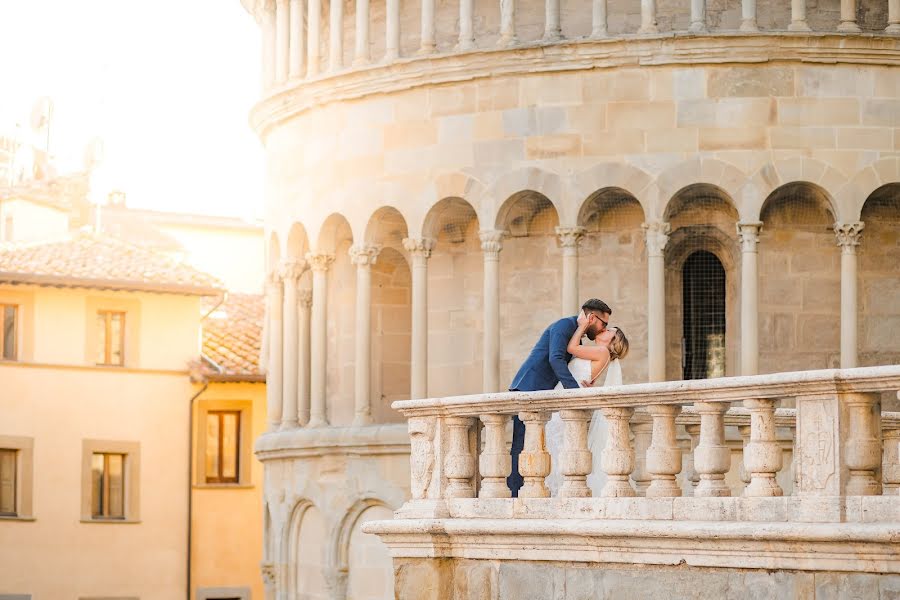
{"points": [[587, 352], [575, 340]]}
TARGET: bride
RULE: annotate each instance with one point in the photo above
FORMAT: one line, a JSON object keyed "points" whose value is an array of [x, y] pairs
{"points": [[587, 365]]}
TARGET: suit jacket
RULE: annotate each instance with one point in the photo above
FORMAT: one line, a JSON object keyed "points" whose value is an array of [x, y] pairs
{"points": [[548, 362]]}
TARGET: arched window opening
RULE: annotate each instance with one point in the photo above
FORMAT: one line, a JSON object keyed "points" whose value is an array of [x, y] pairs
{"points": [[703, 299]]}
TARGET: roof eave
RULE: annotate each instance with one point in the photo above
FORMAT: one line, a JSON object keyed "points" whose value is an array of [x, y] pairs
{"points": [[13, 278]]}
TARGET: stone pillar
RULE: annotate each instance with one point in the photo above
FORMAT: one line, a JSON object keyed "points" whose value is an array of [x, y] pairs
{"points": [[363, 257], [336, 36], [863, 446], [748, 16], [318, 343], [698, 16], [303, 357], [491, 243], [274, 373], [598, 19], [552, 29], [664, 455], [297, 47], [749, 236], [798, 16], [507, 23], [392, 30], [466, 25], [459, 464], [291, 273], [267, 26], [313, 35], [361, 50], [617, 458], [890, 462], [427, 44], [693, 478], [282, 39], [893, 17], [641, 431], [534, 462], [848, 239], [744, 432], [657, 235], [648, 17], [495, 462], [712, 458], [848, 17], [569, 238], [762, 456], [419, 250], [576, 459]]}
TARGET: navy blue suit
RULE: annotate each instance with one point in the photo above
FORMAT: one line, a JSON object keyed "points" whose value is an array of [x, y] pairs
{"points": [[546, 365]]}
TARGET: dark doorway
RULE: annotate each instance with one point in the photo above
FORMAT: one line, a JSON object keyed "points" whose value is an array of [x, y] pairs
{"points": [[703, 302]]}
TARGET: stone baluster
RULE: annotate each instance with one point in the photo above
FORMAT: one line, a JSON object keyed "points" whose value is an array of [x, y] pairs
{"points": [[598, 19], [495, 462], [363, 257], [798, 16], [552, 29], [267, 26], [336, 35], [648, 17], [664, 454], [296, 41], [491, 244], [617, 458], [361, 48], [282, 39], [303, 357], [657, 236], [534, 461], [392, 30], [712, 458], [313, 35], [318, 342], [507, 23], [569, 239], [762, 456], [893, 17], [863, 446], [419, 250], [693, 477], [748, 16], [890, 462], [848, 17], [291, 273], [698, 16], [426, 43], [466, 25], [576, 459], [641, 429], [744, 431], [275, 361], [848, 235], [749, 236], [459, 463]]}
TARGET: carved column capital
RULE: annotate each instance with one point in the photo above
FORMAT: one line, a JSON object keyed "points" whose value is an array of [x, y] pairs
{"points": [[274, 278], [657, 234], [319, 261], [304, 297], [364, 255], [491, 241], [419, 246], [570, 237], [848, 235], [269, 573], [748, 232], [292, 270]]}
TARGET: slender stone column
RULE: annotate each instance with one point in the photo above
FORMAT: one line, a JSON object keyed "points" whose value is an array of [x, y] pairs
{"points": [[534, 462], [641, 431], [313, 36], [863, 444], [491, 243], [893, 17], [762, 456], [692, 476], [598, 19], [267, 25], [495, 461], [664, 455], [552, 29], [617, 458], [361, 50], [569, 239], [798, 16], [712, 458], [507, 23], [648, 17], [282, 39], [848, 17], [576, 459], [657, 235], [297, 41], [466, 25], [427, 44], [291, 273], [336, 36], [890, 462], [274, 373], [459, 464], [319, 343], [748, 16], [698, 16], [392, 30], [848, 239], [749, 235], [363, 257], [303, 357], [744, 432], [419, 249]]}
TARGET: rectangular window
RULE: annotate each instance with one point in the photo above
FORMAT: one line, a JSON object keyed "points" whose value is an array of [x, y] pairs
{"points": [[8, 482], [223, 434], [107, 485], [110, 337], [9, 313]]}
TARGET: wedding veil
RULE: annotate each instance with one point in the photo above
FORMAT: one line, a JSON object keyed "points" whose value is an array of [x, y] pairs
{"points": [[613, 374]]}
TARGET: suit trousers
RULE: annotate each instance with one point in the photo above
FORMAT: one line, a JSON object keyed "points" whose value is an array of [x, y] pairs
{"points": [[515, 481]]}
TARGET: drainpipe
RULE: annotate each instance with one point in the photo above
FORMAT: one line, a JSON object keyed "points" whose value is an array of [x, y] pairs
{"points": [[190, 485]]}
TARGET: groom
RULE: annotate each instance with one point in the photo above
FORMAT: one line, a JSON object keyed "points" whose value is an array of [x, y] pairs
{"points": [[547, 365]]}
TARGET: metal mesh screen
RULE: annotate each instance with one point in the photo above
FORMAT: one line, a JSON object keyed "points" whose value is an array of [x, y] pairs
{"points": [[703, 302]]}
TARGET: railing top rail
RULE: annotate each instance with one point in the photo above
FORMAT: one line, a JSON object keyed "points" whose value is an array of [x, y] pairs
{"points": [[724, 389]]}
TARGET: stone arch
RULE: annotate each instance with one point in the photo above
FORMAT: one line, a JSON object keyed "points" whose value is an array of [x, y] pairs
{"points": [[387, 227], [306, 526], [604, 203], [796, 192], [521, 212], [772, 176], [455, 185], [608, 176], [856, 192], [497, 195], [721, 175], [448, 218], [391, 334], [350, 542], [334, 230], [297, 242], [702, 204], [289, 543]]}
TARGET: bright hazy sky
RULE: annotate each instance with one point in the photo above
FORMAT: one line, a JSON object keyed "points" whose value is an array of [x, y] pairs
{"points": [[166, 84]]}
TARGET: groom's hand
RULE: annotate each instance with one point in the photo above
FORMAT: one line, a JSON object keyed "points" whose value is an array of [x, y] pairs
{"points": [[583, 319]]}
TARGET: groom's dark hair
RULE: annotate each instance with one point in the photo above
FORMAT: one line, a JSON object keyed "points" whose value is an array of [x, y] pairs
{"points": [[597, 306]]}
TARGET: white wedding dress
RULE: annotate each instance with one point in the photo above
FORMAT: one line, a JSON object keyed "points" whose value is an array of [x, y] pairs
{"points": [[553, 432]]}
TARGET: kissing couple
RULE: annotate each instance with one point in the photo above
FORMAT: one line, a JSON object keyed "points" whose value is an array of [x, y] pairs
{"points": [[560, 360]]}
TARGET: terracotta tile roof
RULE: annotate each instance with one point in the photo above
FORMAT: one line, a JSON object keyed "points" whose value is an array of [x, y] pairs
{"points": [[84, 259], [232, 336]]}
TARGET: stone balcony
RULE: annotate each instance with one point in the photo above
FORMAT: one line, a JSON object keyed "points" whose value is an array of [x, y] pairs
{"points": [[838, 514]]}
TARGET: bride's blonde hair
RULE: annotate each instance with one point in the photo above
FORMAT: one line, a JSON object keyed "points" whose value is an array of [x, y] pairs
{"points": [[618, 346]]}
